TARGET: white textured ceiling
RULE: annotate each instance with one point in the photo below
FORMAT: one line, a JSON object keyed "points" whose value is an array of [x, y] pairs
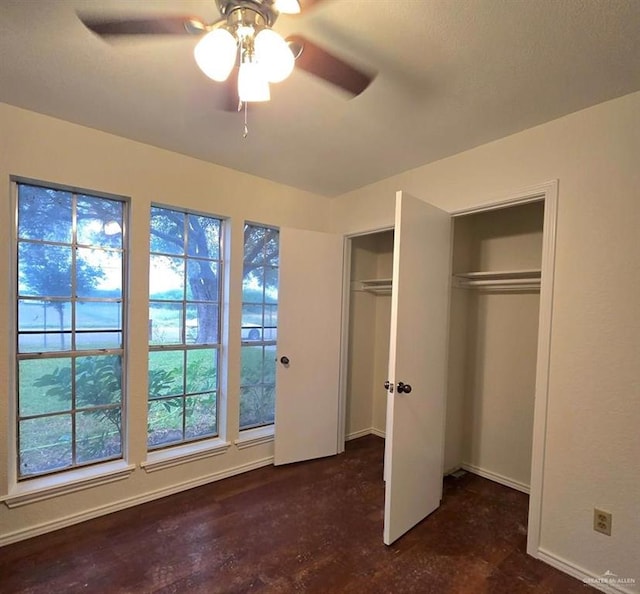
{"points": [[452, 74]]}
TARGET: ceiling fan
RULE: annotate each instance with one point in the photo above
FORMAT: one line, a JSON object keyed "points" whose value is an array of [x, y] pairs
{"points": [[243, 49]]}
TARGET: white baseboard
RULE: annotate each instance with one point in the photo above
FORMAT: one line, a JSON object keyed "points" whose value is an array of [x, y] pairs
{"points": [[600, 582], [363, 432], [357, 434], [498, 478], [130, 502]]}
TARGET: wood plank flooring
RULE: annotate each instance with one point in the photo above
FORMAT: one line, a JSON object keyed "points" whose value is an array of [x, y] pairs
{"points": [[309, 527]]}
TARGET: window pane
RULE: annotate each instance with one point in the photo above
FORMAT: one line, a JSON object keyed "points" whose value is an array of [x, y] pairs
{"points": [[98, 273], [270, 334], [98, 380], [201, 370], [200, 419], [202, 324], [45, 444], [99, 222], [166, 278], [270, 315], [167, 231], [44, 343], [251, 365], [90, 341], [253, 284], [204, 237], [98, 315], [44, 315], [98, 435], [272, 247], [44, 214], [270, 364], [252, 315], [44, 270], [44, 386], [202, 280], [256, 406], [165, 323], [165, 422], [254, 244], [166, 373], [271, 285]]}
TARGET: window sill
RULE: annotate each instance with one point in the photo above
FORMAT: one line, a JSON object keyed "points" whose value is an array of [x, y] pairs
{"points": [[184, 453], [255, 437], [47, 487]]}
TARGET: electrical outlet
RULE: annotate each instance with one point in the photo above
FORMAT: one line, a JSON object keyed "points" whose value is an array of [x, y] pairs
{"points": [[602, 521]]}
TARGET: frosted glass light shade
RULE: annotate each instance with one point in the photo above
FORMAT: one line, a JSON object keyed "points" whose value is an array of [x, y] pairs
{"points": [[273, 55], [252, 83], [215, 54], [287, 6]]}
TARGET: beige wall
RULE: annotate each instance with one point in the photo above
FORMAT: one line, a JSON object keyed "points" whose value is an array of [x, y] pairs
{"points": [[42, 148], [593, 444]]}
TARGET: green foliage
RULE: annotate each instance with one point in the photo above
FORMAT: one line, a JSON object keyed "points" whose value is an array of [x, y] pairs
{"points": [[97, 384], [257, 396], [166, 413]]}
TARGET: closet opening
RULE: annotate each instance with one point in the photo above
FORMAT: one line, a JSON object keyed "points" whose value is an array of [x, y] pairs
{"points": [[370, 259], [493, 341]]}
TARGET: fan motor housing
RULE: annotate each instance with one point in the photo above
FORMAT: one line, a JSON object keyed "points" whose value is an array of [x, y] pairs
{"points": [[264, 8]]}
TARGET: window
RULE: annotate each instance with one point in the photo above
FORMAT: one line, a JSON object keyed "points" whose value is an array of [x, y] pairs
{"points": [[184, 327], [70, 329], [259, 326]]}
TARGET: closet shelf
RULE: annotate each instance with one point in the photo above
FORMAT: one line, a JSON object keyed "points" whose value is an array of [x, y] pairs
{"points": [[505, 280], [379, 286]]}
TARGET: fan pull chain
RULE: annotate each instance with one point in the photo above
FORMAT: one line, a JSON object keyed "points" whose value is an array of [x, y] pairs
{"points": [[245, 131]]}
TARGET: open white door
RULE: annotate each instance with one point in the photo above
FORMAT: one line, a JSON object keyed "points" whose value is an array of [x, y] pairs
{"points": [[417, 358], [310, 306]]}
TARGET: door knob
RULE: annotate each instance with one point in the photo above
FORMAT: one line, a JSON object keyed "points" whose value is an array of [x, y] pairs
{"points": [[404, 388], [284, 360]]}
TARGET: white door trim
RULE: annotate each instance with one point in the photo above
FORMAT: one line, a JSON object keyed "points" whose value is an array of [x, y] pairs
{"points": [[547, 192]]}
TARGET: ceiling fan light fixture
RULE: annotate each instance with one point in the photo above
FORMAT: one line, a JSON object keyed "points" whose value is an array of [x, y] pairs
{"points": [[274, 55], [287, 6], [215, 54], [253, 86]]}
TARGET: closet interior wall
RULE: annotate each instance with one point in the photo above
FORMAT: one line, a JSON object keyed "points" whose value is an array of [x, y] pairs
{"points": [[493, 346], [369, 327]]}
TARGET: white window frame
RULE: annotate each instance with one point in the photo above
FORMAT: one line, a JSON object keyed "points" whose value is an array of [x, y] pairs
{"points": [[176, 453], [263, 433], [46, 486]]}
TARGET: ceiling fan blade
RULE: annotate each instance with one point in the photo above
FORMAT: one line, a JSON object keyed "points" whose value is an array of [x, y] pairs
{"points": [[167, 25], [307, 4], [322, 64]]}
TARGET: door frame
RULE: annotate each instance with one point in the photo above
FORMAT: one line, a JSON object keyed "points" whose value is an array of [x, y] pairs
{"points": [[546, 192]]}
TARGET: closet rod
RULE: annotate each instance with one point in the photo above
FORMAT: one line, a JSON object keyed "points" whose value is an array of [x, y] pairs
{"points": [[503, 281], [518, 284]]}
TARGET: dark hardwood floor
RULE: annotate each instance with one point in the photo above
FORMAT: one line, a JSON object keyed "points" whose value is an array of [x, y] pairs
{"points": [[308, 527]]}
